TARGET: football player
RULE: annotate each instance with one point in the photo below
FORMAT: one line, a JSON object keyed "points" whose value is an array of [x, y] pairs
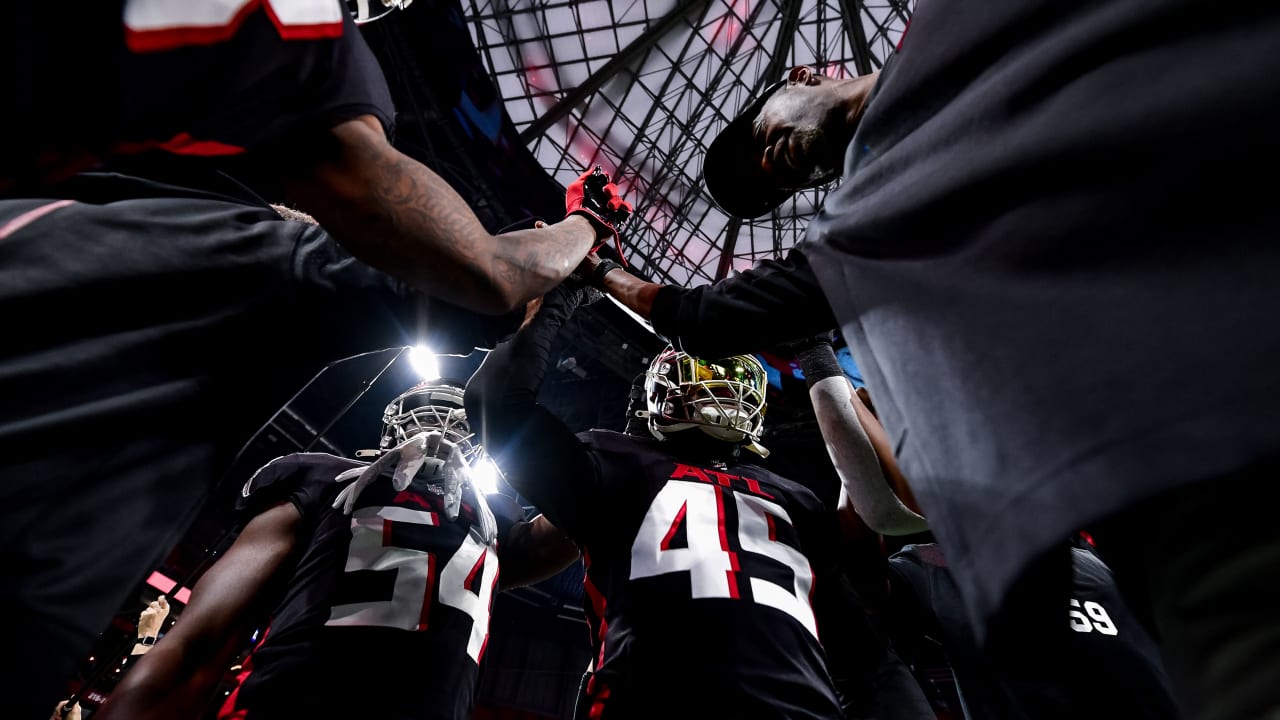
{"points": [[712, 583], [1098, 661], [134, 264], [381, 590]]}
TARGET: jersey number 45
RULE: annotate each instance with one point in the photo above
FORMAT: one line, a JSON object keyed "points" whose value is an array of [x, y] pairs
{"points": [[712, 565]]}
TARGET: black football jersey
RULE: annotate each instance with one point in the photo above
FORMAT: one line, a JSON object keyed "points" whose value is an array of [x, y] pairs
{"points": [[1112, 669], [198, 79], [700, 584], [387, 611]]}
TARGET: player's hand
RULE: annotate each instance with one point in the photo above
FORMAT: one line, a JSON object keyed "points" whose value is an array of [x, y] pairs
{"points": [[594, 196], [152, 618], [62, 712], [427, 450]]}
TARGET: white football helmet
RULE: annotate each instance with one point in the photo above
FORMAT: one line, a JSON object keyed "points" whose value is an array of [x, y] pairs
{"points": [[430, 405], [723, 398]]}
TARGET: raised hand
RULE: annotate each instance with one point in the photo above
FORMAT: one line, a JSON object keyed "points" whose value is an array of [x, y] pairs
{"points": [[429, 449], [595, 196]]}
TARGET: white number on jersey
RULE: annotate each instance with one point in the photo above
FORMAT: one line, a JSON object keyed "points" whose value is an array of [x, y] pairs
{"points": [[1096, 619], [707, 557], [410, 603]]}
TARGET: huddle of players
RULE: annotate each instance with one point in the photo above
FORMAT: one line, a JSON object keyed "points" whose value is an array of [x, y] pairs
{"points": [[714, 585]]}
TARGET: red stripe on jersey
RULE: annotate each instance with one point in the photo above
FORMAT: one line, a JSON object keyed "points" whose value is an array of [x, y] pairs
{"points": [[597, 608], [184, 144], [597, 705], [228, 710], [26, 219], [180, 144], [159, 39], [675, 525], [170, 38], [773, 527], [314, 31], [426, 596], [731, 574], [471, 576], [754, 486], [386, 533]]}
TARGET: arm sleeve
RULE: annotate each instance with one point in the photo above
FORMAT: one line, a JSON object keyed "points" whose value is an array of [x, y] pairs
{"points": [[263, 86], [855, 459], [543, 460], [284, 478], [775, 301]]}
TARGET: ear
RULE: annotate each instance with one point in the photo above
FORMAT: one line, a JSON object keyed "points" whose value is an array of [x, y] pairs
{"points": [[802, 75]]}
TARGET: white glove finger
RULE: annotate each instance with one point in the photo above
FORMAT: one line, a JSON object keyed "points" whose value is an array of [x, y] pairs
{"points": [[348, 474], [405, 471], [433, 440], [341, 500]]}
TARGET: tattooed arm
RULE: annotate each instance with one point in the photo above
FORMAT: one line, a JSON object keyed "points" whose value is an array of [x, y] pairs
{"points": [[395, 214]]}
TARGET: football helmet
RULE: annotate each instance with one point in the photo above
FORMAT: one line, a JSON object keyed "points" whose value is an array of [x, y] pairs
{"points": [[366, 11], [430, 405], [724, 398]]}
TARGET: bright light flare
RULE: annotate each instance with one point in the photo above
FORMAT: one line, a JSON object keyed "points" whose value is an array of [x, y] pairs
{"points": [[484, 474], [424, 362]]}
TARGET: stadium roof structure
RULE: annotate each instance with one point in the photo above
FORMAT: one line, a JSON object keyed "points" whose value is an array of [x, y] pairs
{"points": [[641, 87]]}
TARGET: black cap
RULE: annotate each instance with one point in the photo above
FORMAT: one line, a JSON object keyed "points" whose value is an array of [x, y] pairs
{"points": [[731, 168]]}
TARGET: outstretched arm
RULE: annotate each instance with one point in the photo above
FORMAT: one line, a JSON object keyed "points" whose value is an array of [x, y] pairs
{"points": [[178, 676], [395, 214], [775, 301], [543, 460], [866, 470]]}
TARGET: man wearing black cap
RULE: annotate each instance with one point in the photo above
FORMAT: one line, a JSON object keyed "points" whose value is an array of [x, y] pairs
{"points": [[1040, 220]]}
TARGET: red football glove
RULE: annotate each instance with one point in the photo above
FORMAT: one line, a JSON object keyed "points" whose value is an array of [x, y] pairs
{"points": [[595, 196]]}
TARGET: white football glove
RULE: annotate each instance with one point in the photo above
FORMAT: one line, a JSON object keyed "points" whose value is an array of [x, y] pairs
{"points": [[428, 450]]}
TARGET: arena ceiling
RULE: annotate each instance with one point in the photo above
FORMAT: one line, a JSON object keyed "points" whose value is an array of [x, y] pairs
{"points": [[641, 87]]}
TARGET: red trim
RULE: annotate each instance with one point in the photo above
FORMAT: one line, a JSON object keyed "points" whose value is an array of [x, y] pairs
{"points": [[427, 597], [773, 527], [171, 38], [597, 705], [180, 144], [471, 576], [675, 525], [314, 31], [754, 486], [26, 219], [730, 575], [408, 496], [184, 144], [386, 533], [228, 710]]}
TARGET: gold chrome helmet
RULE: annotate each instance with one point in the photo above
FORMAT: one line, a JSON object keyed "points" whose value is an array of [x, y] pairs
{"points": [[723, 398]]}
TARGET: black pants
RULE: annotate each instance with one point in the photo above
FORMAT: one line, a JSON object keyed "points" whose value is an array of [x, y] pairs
{"points": [[1201, 567]]}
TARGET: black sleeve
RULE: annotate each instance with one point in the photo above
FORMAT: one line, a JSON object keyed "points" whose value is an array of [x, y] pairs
{"points": [[773, 302], [256, 89], [284, 478], [543, 460]]}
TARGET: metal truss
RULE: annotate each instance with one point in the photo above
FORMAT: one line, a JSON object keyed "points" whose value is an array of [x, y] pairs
{"points": [[641, 87]]}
